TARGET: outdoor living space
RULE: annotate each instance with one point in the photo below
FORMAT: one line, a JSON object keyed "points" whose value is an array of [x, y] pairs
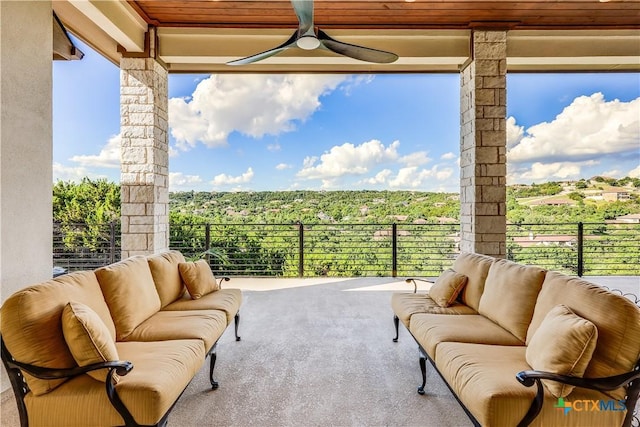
{"points": [[314, 351], [317, 352]]}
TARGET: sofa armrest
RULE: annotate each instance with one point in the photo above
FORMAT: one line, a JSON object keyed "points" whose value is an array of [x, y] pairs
{"points": [[415, 285], [223, 279], [529, 378], [120, 367]]}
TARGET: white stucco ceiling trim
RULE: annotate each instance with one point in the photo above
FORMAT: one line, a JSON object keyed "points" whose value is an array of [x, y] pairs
{"points": [[116, 18]]}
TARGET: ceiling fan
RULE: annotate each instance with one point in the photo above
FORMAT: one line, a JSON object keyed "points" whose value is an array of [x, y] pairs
{"points": [[308, 37]]}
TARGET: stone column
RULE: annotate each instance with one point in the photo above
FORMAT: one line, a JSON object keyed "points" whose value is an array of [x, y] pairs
{"points": [[144, 156], [483, 146]]}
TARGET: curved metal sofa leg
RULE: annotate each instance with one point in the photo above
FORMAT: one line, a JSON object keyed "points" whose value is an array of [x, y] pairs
{"points": [[396, 324], [633, 393], [237, 323], [423, 371], [212, 364]]}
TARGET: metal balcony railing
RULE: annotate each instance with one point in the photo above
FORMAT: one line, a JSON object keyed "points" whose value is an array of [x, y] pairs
{"points": [[350, 250]]}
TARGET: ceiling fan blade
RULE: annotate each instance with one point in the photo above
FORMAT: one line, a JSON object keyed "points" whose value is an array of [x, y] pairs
{"points": [[264, 55], [354, 51], [304, 12]]}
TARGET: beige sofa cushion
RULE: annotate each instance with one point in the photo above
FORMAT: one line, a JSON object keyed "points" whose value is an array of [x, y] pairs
{"points": [[206, 325], [130, 293], [161, 372], [88, 338], [430, 330], [510, 294], [198, 278], [227, 300], [616, 318], [166, 277], [405, 305], [447, 287], [476, 268], [31, 325], [563, 344], [484, 378]]}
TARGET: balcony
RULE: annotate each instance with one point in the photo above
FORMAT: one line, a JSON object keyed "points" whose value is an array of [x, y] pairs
{"points": [[316, 352]]}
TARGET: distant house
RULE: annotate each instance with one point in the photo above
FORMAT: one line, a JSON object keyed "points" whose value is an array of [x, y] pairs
{"points": [[554, 202], [627, 219], [545, 240], [616, 195], [384, 234]]}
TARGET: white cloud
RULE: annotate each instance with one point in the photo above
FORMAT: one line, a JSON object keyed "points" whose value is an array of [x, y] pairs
{"points": [[349, 159], [224, 179], [179, 181], [417, 158], [515, 133], [253, 104], [634, 173], [75, 174], [380, 178], [414, 177], [274, 147], [448, 156], [283, 166], [588, 128], [545, 171], [109, 156]]}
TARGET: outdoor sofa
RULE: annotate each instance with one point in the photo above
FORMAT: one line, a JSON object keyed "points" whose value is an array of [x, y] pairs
{"points": [[493, 329], [114, 346]]}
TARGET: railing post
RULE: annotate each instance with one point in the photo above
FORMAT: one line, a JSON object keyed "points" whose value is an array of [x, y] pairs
{"points": [[112, 242], [394, 250], [207, 240], [580, 249], [300, 249]]}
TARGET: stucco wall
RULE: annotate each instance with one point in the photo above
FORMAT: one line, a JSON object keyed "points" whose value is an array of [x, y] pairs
{"points": [[25, 146]]}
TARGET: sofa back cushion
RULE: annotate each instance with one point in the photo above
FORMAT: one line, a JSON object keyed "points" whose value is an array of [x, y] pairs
{"points": [[510, 294], [616, 318], [166, 276], [476, 268], [31, 323], [130, 293]]}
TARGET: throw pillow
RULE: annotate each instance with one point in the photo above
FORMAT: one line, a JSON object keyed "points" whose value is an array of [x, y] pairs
{"points": [[563, 344], [447, 287], [198, 278], [88, 338]]}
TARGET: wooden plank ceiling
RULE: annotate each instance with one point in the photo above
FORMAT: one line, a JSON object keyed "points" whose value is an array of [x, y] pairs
{"points": [[396, 14]]}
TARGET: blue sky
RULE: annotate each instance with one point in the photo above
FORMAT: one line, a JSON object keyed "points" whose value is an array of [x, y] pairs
{"points": [[284, 132]]}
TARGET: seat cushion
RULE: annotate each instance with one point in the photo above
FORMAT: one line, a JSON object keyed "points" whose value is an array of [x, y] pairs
{"points": [[161, 371], [510, 294], [405, 305], [563, 344], [476, 268], [227, 300], [430, 330], [207, 325], [447, 287], [130, 293], [166, 277], [31, 323], [616, 318], [88, 338], [484, 378]]}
